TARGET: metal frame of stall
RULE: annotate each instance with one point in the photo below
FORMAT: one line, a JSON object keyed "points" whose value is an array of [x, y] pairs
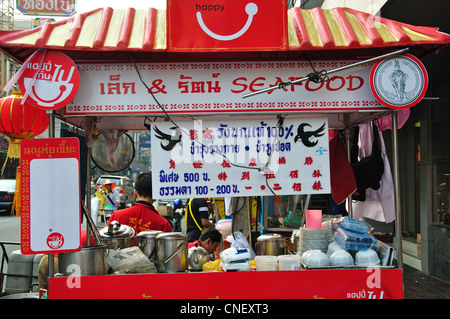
{"points": [[393, 113], [59, 282]]}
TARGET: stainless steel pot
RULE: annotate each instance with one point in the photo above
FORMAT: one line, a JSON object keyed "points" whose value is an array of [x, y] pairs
{"points": [[271, 244], [146, 241], [171, 251], [118, 236], [91, 260], [197, 256]]}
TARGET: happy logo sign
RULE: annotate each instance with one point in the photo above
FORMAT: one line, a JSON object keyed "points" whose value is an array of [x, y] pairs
{"points": [[199, 25]]}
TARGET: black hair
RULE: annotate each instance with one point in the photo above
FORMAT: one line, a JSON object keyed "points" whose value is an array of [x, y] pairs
{"points": [[212, 233], [143, 184]]}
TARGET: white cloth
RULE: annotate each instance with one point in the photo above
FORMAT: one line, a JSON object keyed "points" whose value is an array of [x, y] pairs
{"points": [[379, 204]]}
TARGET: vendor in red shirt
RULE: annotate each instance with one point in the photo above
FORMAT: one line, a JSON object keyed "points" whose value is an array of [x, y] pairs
{"points": [[209, 240], [142, 216]]}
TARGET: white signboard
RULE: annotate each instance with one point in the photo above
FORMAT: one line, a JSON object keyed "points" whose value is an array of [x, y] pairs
{"points": [[240, 158], [55, 202], [50, 195], [218, 87]]}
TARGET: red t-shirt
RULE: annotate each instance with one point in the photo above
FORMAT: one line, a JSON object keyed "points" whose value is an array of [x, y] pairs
{"points": [[192, 244], [141, 216]]}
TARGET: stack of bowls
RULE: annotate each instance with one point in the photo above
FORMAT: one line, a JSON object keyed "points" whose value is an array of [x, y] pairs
{"points": [[366, 258], [333, 247], [341, 258], [315, 258]]}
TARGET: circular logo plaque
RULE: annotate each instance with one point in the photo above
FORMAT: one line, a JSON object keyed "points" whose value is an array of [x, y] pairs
{"points": [[399, 82]]}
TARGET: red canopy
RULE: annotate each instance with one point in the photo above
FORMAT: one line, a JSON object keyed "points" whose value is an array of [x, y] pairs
{"points": [[111, 34]]}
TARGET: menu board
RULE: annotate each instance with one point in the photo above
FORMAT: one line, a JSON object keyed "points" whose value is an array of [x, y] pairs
{"points": [[240, 158]]}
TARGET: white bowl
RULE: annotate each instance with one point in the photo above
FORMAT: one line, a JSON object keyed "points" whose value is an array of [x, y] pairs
{"points": [[317, 258], [333, 247], [365, 258], [341, 258]]}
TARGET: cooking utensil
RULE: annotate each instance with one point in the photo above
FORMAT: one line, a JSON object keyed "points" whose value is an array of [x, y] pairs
{"points": [[89, 261], [146, 241], [271, 245], [197, 256], [118, 236], [171, 250]]}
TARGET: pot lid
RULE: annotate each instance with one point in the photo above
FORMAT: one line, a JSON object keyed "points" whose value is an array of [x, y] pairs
{"points": [[172, 235], [116, 230], [148, 234], [267, 237]]}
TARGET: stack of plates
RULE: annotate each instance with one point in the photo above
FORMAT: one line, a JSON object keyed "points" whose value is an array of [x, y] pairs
{"points": [[313, 239]]}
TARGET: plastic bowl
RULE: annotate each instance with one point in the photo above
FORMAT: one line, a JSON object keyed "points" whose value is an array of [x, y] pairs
{"points": [[289, 262], [333, 247], [266, 263], [365, 258], [317, 258], [305, 255], [341, 258]]}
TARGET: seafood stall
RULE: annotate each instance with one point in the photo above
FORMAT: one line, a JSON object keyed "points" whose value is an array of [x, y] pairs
{"points": [[265, 112]]}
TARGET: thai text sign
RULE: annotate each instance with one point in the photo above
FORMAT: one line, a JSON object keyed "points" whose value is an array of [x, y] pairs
{"points": [[50, 195], [218, 87], [240, 158], [226, 25], [46, 7]]}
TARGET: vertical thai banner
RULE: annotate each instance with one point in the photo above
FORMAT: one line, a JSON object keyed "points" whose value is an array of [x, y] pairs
{"points": [[240, 158], [226, 25], [50, 186]]}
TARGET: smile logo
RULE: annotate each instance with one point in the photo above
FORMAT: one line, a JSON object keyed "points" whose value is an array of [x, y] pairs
{"points": [[55, 240], [49, 81], [251, 9]]}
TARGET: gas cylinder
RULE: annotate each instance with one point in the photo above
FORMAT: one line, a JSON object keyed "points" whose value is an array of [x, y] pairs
{"points": [[19, 264]]}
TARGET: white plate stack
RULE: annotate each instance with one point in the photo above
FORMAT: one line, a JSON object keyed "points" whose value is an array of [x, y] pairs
{"points": [[313, 239]]}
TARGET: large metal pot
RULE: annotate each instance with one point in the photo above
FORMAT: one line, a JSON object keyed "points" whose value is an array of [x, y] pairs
{"points": [[117, 236], [197, 256], [91, 260], [171, 250], [271, 244], [146, 241]]}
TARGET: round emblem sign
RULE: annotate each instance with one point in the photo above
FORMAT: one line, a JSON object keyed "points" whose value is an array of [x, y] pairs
{"points": [[399, 82], [55, 240], [49, 82]]}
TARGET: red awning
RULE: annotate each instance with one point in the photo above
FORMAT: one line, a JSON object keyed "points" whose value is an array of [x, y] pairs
{"points": [[111, 34]]}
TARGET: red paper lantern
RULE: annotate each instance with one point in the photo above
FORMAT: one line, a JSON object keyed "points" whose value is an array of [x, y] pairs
{"points": [[20, 121]]}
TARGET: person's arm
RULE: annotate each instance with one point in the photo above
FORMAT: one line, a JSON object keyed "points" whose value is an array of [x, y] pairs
{"points": [[206, 223], [116, 199], [204, 214]]}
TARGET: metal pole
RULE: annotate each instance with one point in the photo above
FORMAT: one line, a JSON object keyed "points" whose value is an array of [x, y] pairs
{"points": [[347, 146], [51, 134], [398, 221], [342, 68], [88, 195]]}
